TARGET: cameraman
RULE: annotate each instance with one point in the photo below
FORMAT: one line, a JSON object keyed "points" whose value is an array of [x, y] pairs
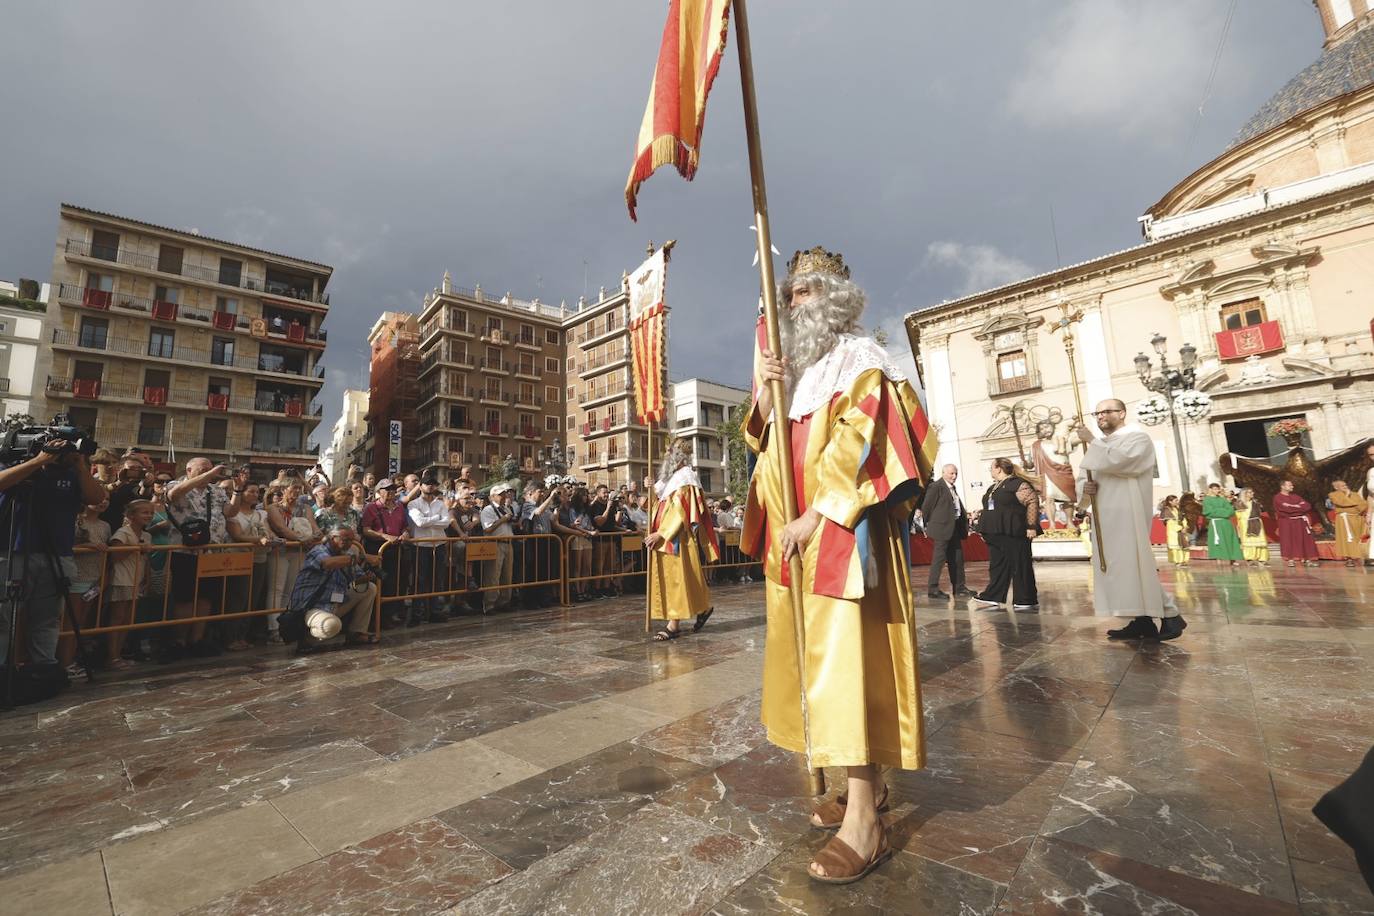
{"points": [[44, 495]]}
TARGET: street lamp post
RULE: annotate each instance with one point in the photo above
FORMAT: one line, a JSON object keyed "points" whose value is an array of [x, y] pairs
{"points": [[1169, 383]]}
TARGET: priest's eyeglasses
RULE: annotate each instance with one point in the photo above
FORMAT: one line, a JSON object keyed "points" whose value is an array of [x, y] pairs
{"points": [[1103, 413]]}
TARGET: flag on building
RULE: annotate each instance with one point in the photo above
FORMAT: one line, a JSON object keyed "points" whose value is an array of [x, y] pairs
{"points": [[688, 59], [648, 319]]}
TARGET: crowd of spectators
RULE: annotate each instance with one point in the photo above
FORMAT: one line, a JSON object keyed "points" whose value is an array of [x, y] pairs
{"points": [[334, 546]]}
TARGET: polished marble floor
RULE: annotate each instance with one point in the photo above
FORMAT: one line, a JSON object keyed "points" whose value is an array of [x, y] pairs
{"points": [[556, 762]]}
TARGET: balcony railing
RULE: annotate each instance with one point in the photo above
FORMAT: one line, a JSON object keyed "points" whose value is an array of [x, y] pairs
{"points": [[598, 329], [595, 363], [155, 396], [82, 248], [1015, 383], [495, 365], [125, 346], [104, 300]]}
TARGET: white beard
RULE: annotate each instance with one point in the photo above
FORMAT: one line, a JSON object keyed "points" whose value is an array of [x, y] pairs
{"points": [[806, 338]]}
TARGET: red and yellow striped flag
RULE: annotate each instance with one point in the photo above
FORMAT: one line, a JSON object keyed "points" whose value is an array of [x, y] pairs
{"points": [[647, 335], [693, 44]]}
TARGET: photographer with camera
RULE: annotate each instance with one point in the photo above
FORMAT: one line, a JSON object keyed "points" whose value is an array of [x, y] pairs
{"points": [[131, 483], [541, 554], [336, 578], [40, 498], [605, 510], [200, 505], [496, 574]]}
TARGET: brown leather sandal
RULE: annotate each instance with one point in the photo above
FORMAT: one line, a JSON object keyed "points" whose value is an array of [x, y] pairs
{"points": [[831, 813], [843, 865]]}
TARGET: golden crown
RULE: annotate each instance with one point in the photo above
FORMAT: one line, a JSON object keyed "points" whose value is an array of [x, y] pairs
{"points": [[818, 261]]}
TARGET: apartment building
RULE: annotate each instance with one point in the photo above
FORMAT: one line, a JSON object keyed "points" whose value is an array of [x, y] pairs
{"points": [[21, 333], [607, 444], [394, 391], [348, 431], [700, 408], [183, 344], [508, 377]]}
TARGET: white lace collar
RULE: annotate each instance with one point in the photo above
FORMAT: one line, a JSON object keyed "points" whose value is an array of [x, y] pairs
{"points": [[682, 477], [837, 370]]}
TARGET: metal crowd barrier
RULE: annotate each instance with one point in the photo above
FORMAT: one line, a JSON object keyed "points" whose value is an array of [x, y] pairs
{"points": [[228, 567], [226, 577], [482, 549]]}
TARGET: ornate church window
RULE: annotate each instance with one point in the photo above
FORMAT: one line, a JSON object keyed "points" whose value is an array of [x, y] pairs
{"points": [[1011, 347]]}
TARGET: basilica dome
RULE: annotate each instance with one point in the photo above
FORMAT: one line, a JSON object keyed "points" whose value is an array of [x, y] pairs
{"points": [[1341, 69], [1313, 136]]}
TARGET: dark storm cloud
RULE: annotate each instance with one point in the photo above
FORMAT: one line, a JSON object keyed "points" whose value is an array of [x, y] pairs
{"points": [[927, 141]]}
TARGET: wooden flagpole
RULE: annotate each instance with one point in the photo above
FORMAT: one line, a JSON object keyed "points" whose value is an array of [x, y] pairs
{"points": [[649, 453], [782, 439]]}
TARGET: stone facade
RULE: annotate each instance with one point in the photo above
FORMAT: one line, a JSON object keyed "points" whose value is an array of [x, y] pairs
{"points": [[176, 342], [507, 377], [1259, 260], [700, 407]]}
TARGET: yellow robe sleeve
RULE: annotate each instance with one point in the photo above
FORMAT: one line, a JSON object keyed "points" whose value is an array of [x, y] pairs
{"points": [[871, 455]]}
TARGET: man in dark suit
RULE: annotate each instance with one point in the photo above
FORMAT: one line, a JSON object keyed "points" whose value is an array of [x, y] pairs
{"points": [[946, 523]]}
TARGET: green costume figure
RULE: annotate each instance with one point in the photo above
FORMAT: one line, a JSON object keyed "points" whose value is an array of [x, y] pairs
{"points": [[1223, 543]]}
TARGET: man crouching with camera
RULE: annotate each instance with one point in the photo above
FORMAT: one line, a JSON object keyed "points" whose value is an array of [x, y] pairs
{"points": [[40, 499], [337, 584]]}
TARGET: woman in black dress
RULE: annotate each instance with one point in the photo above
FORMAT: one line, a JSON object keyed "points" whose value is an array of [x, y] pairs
{"points": [[1009, 521]]}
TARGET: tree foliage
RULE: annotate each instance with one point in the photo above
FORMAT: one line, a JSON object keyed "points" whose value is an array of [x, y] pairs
{"points": [[736, 451]]}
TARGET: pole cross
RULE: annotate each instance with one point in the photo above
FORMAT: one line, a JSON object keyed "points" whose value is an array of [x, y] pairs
{"points": [[1064, 328]]}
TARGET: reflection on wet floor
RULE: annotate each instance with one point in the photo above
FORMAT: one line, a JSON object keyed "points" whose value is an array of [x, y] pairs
{"points": [[555, 761]]}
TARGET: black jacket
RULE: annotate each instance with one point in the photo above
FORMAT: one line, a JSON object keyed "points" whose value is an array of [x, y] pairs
{"points": [[938, 513], [1003, 513]]}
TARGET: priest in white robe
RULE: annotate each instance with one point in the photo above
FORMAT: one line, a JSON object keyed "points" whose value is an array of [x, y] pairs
{"points": [[1122, 464]]}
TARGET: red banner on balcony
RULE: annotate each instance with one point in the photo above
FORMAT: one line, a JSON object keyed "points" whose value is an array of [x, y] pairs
{"points": [[156, 396], [224, 321], [294, 407], [164, 311], [86, 387], [1238, 343], [96, 298], [217, 401], [295, 332]]}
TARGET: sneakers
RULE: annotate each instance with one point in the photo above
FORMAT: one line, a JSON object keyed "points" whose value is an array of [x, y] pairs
{"points": [[963, 593], [937, 595], [1025, 607], [1172, 628], [1139, 628], [983, 604]]}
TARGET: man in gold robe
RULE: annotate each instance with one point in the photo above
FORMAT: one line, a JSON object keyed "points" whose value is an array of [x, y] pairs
{"points": [[680, 524], [862, 449], [1350, 508]]}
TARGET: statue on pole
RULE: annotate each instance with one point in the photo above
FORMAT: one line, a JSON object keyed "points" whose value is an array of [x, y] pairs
{"points": [[1050, 453]]}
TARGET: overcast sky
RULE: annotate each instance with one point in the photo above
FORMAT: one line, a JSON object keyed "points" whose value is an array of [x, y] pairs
{"points": [[927, 141]]}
